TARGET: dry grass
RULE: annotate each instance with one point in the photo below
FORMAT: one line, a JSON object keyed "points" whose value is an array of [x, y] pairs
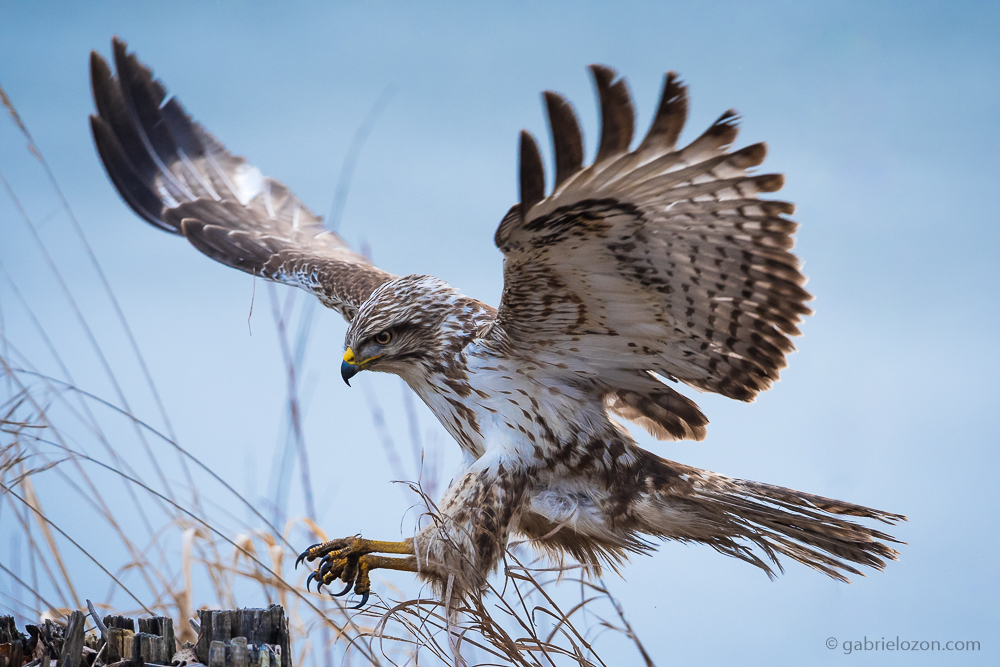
{"points": [[97, 503]]}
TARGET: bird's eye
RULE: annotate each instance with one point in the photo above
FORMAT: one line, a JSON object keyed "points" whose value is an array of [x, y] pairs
{"points": [[383, 338]]}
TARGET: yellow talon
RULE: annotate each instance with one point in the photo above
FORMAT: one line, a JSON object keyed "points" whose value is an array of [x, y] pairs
{"points": [[351, 559]]}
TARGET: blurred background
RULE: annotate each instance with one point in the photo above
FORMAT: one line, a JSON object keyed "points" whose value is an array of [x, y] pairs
{"points": [[400, 122]]}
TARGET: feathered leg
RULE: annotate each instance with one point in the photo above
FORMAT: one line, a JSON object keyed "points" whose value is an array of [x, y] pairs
{"points": [[470, 527], [455, 553]]}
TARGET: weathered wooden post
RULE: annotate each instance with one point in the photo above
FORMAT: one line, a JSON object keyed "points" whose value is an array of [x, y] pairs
{"points": [[72, 648], [244, 638], [11, 643], [121, 632], [238, 652], [240, 638]]}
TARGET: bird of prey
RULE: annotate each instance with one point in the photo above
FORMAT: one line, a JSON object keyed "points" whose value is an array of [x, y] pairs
{"points": [[651, 267]]}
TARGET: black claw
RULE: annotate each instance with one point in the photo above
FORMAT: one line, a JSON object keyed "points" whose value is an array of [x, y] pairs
{"points": [[312, 576], [343, 592], [305, 554], [364, 601]]}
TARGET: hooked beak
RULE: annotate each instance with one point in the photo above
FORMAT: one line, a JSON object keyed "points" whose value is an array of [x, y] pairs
{"points": [[349, 367]]}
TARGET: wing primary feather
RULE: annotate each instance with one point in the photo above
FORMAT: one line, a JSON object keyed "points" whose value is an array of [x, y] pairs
{"points": [[670, 117], [166, 137], [111, 108], [143, 96], [127, 182], [177, 176], [567, 140], [188, 144], [532, 173], [617, 115], [716, 138]]}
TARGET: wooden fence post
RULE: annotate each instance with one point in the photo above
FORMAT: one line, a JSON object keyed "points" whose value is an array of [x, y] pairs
{"points": [[257, 636], [72, 648], [239, 638], [11, 643]]}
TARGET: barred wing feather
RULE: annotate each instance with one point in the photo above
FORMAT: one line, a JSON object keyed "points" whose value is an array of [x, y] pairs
{"points": [[179, 178], [656, 260]]}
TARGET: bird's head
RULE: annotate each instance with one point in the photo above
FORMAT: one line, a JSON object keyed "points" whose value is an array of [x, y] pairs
{"points": [[406, 323]]}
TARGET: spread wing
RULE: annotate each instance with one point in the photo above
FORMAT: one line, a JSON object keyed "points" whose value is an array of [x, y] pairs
{"points": [[178, 177], [656, 260]]}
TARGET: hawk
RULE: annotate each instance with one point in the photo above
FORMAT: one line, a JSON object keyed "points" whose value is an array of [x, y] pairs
{"points": [[648, 268]]}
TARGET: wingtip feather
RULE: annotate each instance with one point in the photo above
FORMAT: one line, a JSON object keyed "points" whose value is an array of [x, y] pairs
{"points": [[567, 140], [617, 114], [128, 184], [532, 177], [671, 115]]}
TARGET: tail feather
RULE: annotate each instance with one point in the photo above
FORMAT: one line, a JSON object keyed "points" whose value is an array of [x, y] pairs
{"points": [[742, 518], [758, 523]]}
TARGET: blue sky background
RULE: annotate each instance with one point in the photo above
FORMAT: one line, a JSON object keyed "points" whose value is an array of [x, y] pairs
{"points": [[883, 116]]}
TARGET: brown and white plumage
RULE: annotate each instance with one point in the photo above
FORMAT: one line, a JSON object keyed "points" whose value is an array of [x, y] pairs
{"points": [[649, 265], [660, 259], [179, 178]]}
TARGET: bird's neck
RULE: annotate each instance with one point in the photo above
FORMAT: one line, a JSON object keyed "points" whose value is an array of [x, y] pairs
{"points": [[442, 379]]}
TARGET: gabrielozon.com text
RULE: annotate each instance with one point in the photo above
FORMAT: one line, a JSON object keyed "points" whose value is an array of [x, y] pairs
{"points": [[893, 644]]}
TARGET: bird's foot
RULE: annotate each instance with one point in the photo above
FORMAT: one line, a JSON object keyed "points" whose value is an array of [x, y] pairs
{"points": [[350, 559]]}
